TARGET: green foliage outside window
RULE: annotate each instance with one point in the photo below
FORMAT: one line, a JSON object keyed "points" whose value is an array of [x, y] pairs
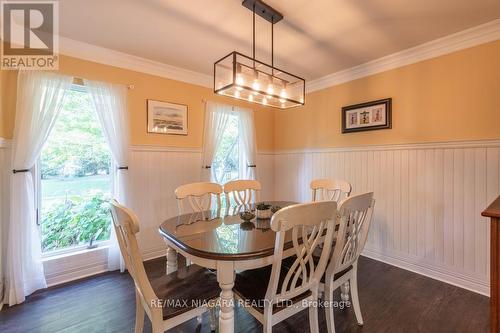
{"points": [[76, 146], [76, 221]]}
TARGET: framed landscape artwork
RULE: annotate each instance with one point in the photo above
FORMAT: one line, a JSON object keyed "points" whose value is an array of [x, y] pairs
{"points": [[167, 118], [367, 116]]}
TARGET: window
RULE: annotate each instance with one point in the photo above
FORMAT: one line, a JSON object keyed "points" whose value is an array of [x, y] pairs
{"points": [[75, 178], [226, 162], [229, 150]]}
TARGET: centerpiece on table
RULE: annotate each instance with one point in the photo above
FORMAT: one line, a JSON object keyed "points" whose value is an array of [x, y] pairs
{"points": [[247, 217], [263, 211]]}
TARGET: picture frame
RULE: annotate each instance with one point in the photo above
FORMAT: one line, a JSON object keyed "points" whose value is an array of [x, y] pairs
{"points": [[167, 118], [368, 116]]}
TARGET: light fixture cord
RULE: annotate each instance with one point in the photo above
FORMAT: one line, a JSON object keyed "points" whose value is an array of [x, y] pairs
{"points": [[253, 35], [272, 45]]}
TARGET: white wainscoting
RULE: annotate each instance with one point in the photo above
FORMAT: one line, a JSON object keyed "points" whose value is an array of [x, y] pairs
{"points": [[428, 201], [155, 173]]}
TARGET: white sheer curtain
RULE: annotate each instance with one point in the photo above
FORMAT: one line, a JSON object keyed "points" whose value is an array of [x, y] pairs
{"points": [[39, 100], [248, 160], [216, 117], [110, 101]]}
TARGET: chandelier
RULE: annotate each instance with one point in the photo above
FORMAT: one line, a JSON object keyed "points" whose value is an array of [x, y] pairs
{"points": [[239, 76]]}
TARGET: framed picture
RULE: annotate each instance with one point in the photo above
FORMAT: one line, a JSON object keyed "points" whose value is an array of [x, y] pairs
{"points": [[167, 118], [367, 116]]}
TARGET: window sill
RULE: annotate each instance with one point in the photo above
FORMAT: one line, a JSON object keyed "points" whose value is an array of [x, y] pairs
{"points": [[76, 252]]}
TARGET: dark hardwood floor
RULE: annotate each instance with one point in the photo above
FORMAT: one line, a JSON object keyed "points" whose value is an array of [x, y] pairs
{"points": [[392, 300]]}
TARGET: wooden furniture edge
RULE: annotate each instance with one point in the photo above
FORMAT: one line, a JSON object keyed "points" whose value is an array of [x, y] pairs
{"points": [[493, 209]]}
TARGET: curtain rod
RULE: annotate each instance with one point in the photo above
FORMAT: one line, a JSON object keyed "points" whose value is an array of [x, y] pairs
{"points": [[79, 82]]}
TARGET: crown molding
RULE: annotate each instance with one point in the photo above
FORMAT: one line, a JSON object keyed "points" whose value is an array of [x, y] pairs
{"points": [[85, 51], [481, 34]]}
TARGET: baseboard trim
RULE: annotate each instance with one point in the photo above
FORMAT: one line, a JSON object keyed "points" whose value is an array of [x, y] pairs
{"points": [[154, 253], [95, 268], [76, 274], [462, 281]]}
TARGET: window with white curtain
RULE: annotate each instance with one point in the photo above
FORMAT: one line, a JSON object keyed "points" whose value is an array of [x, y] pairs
{"points": [[229, 143], [226, 163], [75, 179]]}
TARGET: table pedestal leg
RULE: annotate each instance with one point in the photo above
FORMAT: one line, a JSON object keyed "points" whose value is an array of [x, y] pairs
{"points": [[344, 291], [171, 260], [225, 277]]}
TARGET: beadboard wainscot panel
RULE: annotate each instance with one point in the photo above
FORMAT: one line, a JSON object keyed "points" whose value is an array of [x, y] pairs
{"points": [[155, 173], [429, 199]]}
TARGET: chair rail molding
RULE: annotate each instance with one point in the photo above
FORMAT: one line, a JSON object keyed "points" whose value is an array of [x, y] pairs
{"points": [[429, 197], [461, 40]]}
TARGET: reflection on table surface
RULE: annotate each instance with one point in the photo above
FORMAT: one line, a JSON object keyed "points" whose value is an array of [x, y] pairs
{"points": [[222, 232]]}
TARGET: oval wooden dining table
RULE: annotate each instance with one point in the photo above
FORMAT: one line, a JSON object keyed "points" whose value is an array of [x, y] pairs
{"points": [[221, 240]]}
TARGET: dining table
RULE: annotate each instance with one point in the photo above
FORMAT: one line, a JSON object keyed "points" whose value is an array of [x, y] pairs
{"points": [[221, 240]]}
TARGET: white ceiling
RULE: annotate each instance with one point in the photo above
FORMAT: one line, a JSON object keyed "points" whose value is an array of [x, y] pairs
{"points": [[316, 37]]}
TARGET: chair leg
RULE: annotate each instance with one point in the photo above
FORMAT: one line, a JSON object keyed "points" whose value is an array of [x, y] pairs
{"points": [[139, 314], [330, 322], [158, 328], [313, 315], [213, 318], [355, 296], [267, 325]]}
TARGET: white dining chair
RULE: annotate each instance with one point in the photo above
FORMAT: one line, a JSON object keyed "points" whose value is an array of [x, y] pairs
{"points": [[242, 192], [199, 196], [355, 215], [330, 189], [277, 292], [159, 297]]}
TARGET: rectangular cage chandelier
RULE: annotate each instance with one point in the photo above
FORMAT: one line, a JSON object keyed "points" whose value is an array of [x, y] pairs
{"points": [[239, 76]]}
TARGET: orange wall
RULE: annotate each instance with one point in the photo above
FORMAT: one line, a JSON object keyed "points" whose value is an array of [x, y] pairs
{"points": [[145, 87], [8, 82], [452, 97]]}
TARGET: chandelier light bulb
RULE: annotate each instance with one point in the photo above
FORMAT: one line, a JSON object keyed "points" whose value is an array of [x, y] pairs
{"points": [[250, 98], [239, 80], [256, 85], [270, 89], [237, 94], [283, 93], [264, 101]]}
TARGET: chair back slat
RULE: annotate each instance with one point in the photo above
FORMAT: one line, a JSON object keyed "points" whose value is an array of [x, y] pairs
{"points": [[330, 189], [199, 196], [355, 215], [242, 192], [126, 226], [309, 225]]}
